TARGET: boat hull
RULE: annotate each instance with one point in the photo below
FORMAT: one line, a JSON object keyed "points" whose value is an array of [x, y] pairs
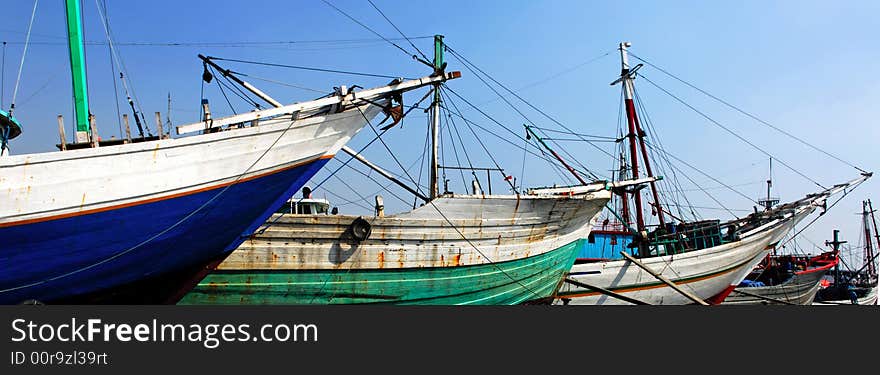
{"points": [[868, 297], [503, 283], [96, 225], [482, 250], [709, 274], [800, 289]]}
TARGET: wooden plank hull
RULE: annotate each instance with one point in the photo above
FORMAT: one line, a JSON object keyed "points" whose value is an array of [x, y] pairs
{"points": [[711, 274], [502, 283], [800, 289], [78, 226], [868, 297], [481, 250]]}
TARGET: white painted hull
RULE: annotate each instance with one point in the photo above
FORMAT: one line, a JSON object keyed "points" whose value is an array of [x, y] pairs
{"points": [[472, 230], [706, 273], [41, 186]]}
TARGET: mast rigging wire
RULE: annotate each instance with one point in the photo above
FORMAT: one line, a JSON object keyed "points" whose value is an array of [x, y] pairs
{"points": [[732, 132], [374, 32], [302, 68], [425, 58], [23, 54], [467, 62], [749, 114], [121, 67]]}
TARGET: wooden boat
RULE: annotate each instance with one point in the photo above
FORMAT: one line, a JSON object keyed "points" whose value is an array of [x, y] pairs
{"points": [[784, 279], [458, 249], [105, 224], [854, 287], [455, 249], [676, 263]]}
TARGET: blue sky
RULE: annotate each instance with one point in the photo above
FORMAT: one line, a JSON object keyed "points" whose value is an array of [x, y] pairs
{"points": [[803, 66]]}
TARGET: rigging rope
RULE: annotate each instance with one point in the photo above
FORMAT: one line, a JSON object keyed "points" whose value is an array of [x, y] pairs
{"points": [[425, 58], [23, 54], [467, 63], [113, 78], [366, 27], [544, 157], [845, 193], [471, 68], [501, 170], [3, 77], [748, 114], [302, 68], [121, 67], [218, 44], [453, 226], [733, 133], [697, 185]]}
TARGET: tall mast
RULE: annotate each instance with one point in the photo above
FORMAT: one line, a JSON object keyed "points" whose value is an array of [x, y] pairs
{"points": [[867, 209], [78, 69], [636, 134], [835, 244], [435, 117]]}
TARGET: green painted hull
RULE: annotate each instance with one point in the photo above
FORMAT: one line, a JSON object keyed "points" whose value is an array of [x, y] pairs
{"points": [[506, 283]]}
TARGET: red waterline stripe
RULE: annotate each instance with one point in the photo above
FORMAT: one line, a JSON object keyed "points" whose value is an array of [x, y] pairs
{"points": [[151, 200]]}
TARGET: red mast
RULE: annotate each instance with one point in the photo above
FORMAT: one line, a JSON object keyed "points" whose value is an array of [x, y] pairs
{"points": [[635, 132]]}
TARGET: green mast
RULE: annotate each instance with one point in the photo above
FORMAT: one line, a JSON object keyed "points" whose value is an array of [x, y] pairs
{"points": [[77, 65]]}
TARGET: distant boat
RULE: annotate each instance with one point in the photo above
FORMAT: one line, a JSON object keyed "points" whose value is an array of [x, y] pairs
{"points": [[859, 286], [674, 263], [452, 250], [144, 220], [784, 279]]}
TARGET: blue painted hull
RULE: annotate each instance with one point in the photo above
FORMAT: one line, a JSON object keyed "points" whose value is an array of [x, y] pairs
{"points": [[120, 252]]}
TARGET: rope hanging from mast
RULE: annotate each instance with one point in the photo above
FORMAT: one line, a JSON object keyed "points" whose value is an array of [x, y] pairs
{"points": [[23, 54]]}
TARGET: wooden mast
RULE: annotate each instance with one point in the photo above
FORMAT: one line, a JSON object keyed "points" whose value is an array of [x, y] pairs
{"points": [[867, 209], [435, 117], [636, 135]]}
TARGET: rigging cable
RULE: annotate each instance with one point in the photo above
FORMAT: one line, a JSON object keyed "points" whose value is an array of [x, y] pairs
{"points": [[121, 67], [23, 54], [113, 78], [675, 185], [749, 114], [461, 141], [220, 84], [501, 170], [698, 186], [547, 159], [471, 68], [303, 68], [733, 133], [845, 193], [467, 62], [425, 58], [447, 120], [3, 77], [374, 32]]}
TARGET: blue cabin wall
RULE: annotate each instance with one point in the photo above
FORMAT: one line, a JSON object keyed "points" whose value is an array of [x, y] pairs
{"points": [[604, 245]]}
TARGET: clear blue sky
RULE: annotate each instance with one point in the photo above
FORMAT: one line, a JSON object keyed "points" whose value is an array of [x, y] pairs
{"points": [[804, 66]]}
